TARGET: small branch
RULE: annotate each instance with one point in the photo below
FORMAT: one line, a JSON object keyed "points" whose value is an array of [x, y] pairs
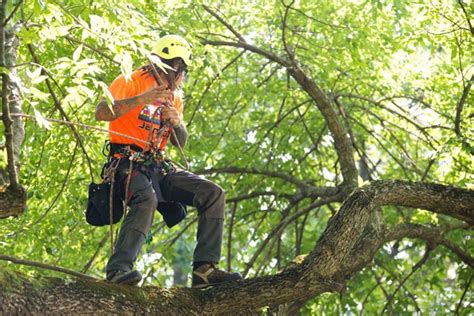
{"points": [[284, 223], [251, 48], [91, 260], [464, 294], [45, 266], [57, 104], [12, 13], [320, 191], [210, 83], [258, 194], [72, 39], [419, 264], [283, 31], [467, 16], [229, 238], [459, 108], [433, 234], [227, 25]]}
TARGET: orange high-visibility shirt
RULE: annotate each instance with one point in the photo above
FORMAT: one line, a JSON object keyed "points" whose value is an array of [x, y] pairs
{"points": [[138, 122]]}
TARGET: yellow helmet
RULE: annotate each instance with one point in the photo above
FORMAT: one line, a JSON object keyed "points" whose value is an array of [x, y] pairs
{"points": [[172, 46]]}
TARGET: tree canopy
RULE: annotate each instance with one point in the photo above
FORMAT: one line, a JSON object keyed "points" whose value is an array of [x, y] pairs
{"points": [[342, 130]]}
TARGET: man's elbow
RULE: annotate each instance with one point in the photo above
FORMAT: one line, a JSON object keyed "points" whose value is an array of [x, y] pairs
{"points": [[102, 112]]}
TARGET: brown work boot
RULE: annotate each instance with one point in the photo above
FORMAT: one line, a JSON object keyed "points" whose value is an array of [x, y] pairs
{"points": [[124, 277], [208, 274]]}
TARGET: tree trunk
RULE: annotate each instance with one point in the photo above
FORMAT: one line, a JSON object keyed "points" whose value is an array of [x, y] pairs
{"points": [[12, 202]]}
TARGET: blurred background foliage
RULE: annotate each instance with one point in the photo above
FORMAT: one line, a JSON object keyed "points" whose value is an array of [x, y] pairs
{"points": [[396, 70]]}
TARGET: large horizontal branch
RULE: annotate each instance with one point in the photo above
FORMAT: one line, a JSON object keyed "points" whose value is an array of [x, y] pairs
{"points": [[355, 233], [347, 246], [438, 198]]}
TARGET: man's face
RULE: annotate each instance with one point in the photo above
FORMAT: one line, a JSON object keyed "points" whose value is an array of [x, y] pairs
{"points": [[179, 76]]}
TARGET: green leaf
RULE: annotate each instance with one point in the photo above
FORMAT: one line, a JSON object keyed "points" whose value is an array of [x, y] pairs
{"points": [[77, 53], [41, 120]]}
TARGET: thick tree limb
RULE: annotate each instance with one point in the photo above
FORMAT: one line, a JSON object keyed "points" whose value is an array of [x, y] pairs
{"points": [[352, 237]]}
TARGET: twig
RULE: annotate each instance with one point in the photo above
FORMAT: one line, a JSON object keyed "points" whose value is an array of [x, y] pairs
{"points": [[229, 239], [91, 260], [12, 13], [459, 108], [463, 295], [57, 104], [56, 198], [467, 16], [227, 25], [285, 222], [210, 83], [290, 54], [419, 264], [46, 266], [92, 48]]}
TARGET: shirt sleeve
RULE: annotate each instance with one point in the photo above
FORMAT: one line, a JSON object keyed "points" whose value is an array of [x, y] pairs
{"points": [[123, 89]]}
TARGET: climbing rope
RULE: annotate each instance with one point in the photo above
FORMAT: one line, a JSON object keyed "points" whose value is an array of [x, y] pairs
{"points": [[106, 131]]}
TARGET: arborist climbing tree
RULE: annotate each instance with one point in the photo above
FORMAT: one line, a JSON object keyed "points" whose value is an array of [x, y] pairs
{"points": [[148, 109]]}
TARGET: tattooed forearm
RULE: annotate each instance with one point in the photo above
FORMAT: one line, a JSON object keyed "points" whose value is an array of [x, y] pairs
{"points": [[119, 108]]}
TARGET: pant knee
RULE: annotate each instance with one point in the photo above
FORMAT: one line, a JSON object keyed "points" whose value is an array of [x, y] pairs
{"points": [[214, 201], [145, 198], [142, 209]]}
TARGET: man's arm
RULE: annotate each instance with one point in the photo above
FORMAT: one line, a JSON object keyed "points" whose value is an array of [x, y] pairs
{"points": [[121, 107], [171, 114], [181, 135]]}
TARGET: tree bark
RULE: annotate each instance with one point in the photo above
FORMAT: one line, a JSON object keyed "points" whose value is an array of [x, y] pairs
{"points": [[348, 245], [13, 199]]}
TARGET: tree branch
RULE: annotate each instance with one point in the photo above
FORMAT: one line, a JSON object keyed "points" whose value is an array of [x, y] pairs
{"points": [[45, 266], [305, 187], [467, 16], [57, 104], [431, 234], [326, 269], [227, 25], [418, 265], [12, 13], [459, 107], [341, 142]]}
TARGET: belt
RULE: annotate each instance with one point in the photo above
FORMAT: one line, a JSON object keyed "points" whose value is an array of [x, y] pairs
{"points": [[124, 150], [135, 153]]}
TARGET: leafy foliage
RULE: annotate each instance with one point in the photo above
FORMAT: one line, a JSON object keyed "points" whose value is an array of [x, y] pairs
{"points": [[394, 70]]}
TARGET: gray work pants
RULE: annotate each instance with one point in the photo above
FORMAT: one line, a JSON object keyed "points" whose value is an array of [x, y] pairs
{"points": [[179, 186]]}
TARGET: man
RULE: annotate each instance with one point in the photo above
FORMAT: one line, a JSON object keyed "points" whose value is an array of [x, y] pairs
{"points": [[148, 108]]}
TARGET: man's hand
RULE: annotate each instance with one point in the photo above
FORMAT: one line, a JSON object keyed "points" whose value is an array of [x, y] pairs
{"points": [[154, 94], [172, 115]]}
